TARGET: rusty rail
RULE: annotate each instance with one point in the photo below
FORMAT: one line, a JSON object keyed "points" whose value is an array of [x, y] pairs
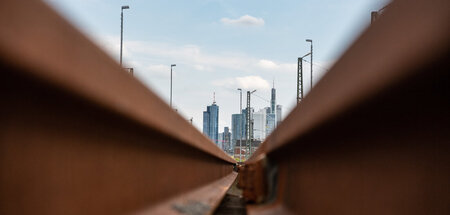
{"points": [[78, 135], [373, 136]]}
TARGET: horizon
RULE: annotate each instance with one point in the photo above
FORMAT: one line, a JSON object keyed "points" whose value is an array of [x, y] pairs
{"points": [[220, 46]]}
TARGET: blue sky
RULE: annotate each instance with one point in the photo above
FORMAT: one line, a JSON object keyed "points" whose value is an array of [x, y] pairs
{"points": [[220, 45]]}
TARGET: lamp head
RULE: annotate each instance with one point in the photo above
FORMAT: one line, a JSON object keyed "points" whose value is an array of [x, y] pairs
{"points": [[173, 65], [309, 40], [125, 7]]}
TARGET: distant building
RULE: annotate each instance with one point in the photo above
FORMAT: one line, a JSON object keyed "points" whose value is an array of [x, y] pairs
{"points": [[220, 140], [270, 123], [267, 110], [278, 113], [211, 122], [226, 140], [259, 125], [245, 149], [273, 100], [238, 131], [271, 118]]}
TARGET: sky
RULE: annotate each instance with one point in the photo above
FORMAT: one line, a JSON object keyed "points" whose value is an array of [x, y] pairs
{"points": [[221, 45]]}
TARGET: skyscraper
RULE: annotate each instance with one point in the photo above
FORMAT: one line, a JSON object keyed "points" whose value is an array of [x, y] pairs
{"points": [[226, 140], [238, 131], [279, 107], [271, 115], [259, 125], [220, 140], [271, 123], [273, 100], [211, 122]]}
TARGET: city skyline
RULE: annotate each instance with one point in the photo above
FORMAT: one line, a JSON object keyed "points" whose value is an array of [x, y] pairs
{"points": [[261, 124], [220, 45]]}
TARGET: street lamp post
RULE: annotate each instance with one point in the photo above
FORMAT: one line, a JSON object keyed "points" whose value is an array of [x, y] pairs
{"points": [[171, 66], [242, 122], [309, 40], [121, 30]]}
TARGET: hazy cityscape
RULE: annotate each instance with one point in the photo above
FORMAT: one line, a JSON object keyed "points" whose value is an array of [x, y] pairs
{"points": [[248, 128]]}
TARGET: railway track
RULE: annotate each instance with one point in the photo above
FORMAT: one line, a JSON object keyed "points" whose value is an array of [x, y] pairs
{"points": [[79, 135]]}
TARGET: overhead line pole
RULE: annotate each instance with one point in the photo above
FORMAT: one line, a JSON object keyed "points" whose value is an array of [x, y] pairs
{"points": [[241, 126], [171, 66], [309, 40], [248, 123], [300, 78]]}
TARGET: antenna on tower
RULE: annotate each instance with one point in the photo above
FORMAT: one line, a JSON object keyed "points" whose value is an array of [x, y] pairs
{"points": [[214, 97], [273, 82]]}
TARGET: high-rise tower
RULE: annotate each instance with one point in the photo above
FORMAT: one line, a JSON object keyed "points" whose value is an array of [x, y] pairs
{"points": [[271, 113], [273, 99], [211, 122], [279, 109]]}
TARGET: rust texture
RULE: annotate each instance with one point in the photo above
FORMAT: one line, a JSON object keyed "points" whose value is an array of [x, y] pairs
{"points": [[203, 200], [373, 136], [78, 135], [253, 181]]}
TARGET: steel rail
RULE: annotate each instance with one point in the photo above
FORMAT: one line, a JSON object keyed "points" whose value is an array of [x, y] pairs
{"points": [[78, 135], [372, 137]]}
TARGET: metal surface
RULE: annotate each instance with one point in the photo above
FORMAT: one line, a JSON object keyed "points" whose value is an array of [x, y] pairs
{"points": [[78, 134], [232, 203], [252, 181], [203, 200], [300, 78], [121, 31], [171, 66], [242, 122], [248, 124], [372, 137], [311, 53]]}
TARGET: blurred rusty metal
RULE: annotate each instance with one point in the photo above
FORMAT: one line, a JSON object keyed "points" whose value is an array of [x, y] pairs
{"points": [[253, 180], [373, 136], [78, 135], [203, 200]]}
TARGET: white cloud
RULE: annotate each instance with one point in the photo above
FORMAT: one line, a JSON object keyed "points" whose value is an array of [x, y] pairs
{"points": [[200, 67], [246, 82], [190, 55], [152, 57], [245, 20], [276, 67], [267, 64]]}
